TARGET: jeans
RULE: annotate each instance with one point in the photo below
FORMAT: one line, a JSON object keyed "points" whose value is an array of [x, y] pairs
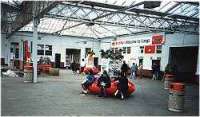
{"points": [[133, 76]]}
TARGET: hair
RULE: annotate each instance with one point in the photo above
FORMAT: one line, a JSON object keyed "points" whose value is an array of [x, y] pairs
{"points": [[105, 72]]}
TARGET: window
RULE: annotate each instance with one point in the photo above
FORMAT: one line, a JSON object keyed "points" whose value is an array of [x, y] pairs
{"points": [[159, 49], [128, 50], [15, 49], [113, 49], [48, 49], [142, 49], [116, 50], [124, 50], [40, 49]]}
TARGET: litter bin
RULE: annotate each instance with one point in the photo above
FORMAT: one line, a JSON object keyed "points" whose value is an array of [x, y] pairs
{"points": [[28, 73], [176, 97], [169, 78]]}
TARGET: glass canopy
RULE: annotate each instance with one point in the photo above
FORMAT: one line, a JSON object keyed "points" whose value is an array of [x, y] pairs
{"points": [[105, 18]]}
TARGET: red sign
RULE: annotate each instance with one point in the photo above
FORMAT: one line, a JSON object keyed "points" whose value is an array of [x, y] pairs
{"points": [[149, 49], [157, 39]]}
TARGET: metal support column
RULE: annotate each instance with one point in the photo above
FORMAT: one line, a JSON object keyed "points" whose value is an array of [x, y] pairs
{"points": [[34, 43], [34, 50]]}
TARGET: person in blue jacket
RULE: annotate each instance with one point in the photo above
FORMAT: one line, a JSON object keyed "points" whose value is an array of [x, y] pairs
{"points": [[87, 82]]}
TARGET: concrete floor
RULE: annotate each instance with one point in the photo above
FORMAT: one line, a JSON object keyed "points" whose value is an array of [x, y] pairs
{"points": [[60, 96]]}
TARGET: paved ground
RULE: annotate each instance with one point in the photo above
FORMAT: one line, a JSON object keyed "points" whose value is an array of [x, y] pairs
{"points": [[61, 96]]}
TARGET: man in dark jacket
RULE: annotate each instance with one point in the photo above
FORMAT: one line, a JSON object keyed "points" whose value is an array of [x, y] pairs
{"points": [[124, 69], [104, 82], [122, 86]]}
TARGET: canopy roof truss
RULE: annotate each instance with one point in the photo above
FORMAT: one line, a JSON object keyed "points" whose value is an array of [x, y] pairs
{"points": [[105, 18]]}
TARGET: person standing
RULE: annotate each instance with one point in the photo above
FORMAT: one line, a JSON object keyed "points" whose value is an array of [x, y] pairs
{"points": [[124, 69], [133, 71], [157, 71], [154, 71], [73, 67], [122, 86]]}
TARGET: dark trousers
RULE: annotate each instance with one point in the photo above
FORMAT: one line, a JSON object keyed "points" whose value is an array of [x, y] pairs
{"points": [[103, 91]]}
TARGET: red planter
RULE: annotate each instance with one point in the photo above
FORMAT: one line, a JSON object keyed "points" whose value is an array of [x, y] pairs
{"points": [[28, 67], [44, 68]]}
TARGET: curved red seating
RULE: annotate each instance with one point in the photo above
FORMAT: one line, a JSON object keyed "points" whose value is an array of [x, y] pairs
{"points": [[94, 89]]}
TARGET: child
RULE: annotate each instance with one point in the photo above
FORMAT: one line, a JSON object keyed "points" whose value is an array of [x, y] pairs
{"points": [[104, 82], [87, 82]]}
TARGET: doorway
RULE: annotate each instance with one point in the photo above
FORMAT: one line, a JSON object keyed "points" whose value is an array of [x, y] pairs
{"points": [[157, 62], [140, 61], [57, 60], [72, 55], [185, 60]]}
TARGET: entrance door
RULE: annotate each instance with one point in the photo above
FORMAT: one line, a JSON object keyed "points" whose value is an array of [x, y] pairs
{"points": [[57, 60], [140, 62]]}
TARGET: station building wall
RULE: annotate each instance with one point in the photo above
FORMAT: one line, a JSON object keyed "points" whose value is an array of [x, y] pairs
{"points": [[59, 45], [171, 40]]}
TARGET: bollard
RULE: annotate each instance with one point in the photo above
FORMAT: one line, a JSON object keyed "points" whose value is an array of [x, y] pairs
{"points": [[176, 97], [28, 73], [168, 79]]}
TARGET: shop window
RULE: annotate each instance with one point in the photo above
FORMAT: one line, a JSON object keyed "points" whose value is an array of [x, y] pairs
{"points": [[48, 50], [40, 49], [159, 49], [142, 49], [128, 50]]}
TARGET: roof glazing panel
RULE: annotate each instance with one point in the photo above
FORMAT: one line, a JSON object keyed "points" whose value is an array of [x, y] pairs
{"points": [[73, 19]]}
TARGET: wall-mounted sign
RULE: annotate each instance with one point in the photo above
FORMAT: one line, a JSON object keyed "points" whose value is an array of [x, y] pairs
{"points": [[158, 39], [150, 49], [136, 42]]}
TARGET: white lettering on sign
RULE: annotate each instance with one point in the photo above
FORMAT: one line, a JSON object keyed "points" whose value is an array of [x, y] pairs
{"points": [[123, 43]]}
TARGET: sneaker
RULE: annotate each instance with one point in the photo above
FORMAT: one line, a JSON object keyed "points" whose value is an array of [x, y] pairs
{"points": [[116, 93], [99, 95], [122, 97], [84, 92]]}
